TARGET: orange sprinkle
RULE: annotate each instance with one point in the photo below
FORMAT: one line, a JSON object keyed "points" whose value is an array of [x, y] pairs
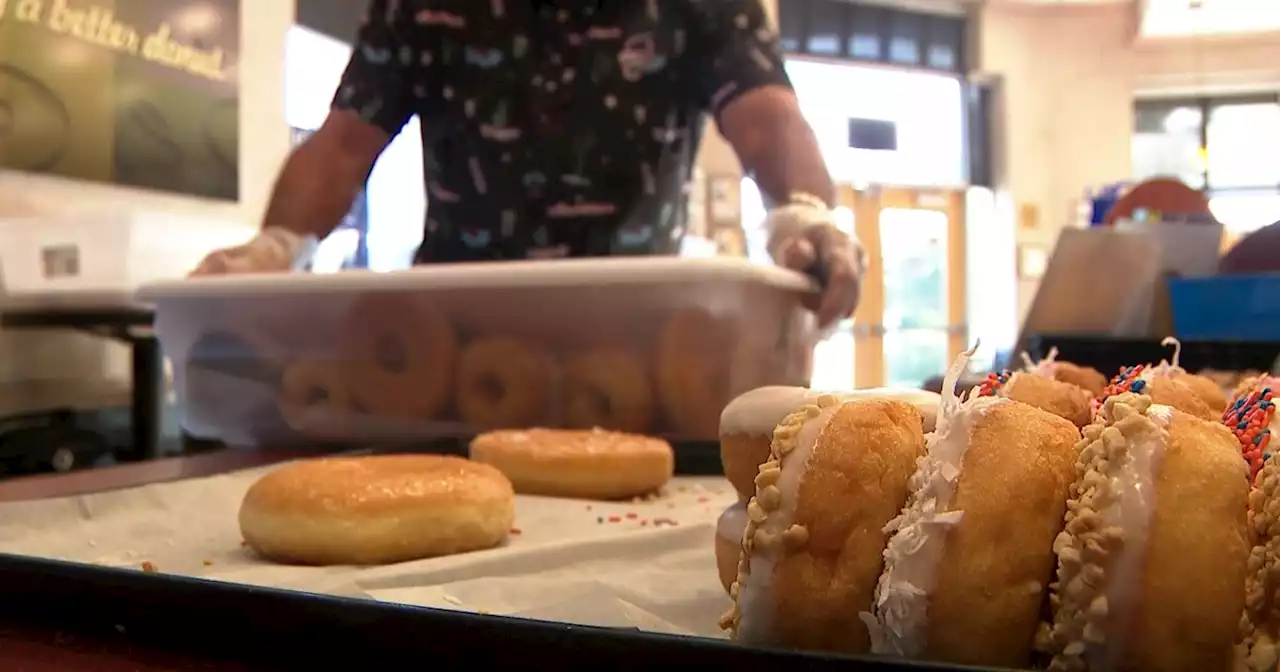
{"points": [[703, 500], [644, 522], [632, 516], [515, 530], [208, 563], [149, 567], [615, 519]]}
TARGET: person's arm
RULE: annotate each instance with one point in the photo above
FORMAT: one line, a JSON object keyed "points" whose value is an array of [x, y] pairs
{"points": [[747, 90], [374, 100]]}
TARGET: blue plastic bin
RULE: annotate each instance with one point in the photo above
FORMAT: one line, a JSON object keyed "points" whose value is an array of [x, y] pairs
{"points": [[1226, 308]]}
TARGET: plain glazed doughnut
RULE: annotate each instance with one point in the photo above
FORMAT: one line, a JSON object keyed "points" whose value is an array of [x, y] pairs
{"points": [[314, 397], [1158, 383], [376, 510], [1209, 391], [694, 371], [812, 551], [1165, 493], [503, 383], [1086, 378], [398, 353], [608, 388], [729, 530], [1064, 400], [747, 422], [586, 464], [994, 465]]}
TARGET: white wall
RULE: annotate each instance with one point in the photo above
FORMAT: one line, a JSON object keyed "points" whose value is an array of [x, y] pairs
{"points": [[264, 141]]}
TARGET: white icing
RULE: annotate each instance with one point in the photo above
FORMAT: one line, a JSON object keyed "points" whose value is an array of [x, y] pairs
{"points": [[757, 412], [1134, 482], [753, 589], [733, 522], [1166, 368], [899, 622], [1046, 368]]}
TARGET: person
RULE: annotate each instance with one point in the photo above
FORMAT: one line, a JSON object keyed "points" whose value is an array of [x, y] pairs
{"points": [[562, 128]]}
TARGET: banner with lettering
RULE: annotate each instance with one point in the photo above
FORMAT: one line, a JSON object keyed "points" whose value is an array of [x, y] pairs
{"points": [[143, 93]]}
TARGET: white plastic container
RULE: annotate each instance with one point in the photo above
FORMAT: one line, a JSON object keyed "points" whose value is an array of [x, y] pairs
{"points": [[651, 345], [107, 252]]}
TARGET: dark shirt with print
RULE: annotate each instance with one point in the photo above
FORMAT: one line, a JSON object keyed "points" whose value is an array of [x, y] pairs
{"points": [[556, 127]]}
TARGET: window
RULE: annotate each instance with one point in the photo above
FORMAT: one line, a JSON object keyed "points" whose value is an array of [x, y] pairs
{"points": [[1225, 146], [874, 33]]}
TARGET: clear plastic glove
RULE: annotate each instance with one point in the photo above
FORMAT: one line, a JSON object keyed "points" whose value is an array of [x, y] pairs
{"points": [[804, 237], [274, 250]]}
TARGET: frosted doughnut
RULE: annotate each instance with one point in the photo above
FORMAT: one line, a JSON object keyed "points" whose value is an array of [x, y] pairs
{"points": [[376, 510], [836, 474], [587, 464], [1166, 494], [992, 466], [1061, 399], [747, 422], [729, 529]]}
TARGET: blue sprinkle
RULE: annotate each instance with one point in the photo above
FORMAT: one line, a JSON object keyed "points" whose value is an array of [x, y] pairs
{"points": [[1138, 385], [1257, 439], [1241, 425]]}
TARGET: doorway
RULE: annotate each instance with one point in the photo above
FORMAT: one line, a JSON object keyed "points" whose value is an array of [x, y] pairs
{"points": [[910, 324]]}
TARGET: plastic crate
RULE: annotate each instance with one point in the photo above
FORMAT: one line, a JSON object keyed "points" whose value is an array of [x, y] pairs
{"points": [[1108, 354], [1227, 308]]}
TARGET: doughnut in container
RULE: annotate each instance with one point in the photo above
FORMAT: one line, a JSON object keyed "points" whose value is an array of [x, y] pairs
{"points": [[608, 388], [397, 353], [967, 568], [811, 554], [1153, 558], [747, 423], [503, 382]]}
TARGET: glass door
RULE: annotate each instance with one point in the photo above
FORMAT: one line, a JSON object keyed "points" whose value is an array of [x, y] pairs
{"points": [[910, 324]]}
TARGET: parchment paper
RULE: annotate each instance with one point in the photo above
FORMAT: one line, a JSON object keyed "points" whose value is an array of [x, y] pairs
{"points": [[642, 564]]}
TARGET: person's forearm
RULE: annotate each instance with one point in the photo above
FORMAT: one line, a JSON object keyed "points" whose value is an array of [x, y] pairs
{"points": [[314, 191], [780, 152]]}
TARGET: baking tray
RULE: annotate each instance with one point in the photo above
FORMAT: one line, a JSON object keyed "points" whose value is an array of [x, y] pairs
{"points": [[252, 627]]}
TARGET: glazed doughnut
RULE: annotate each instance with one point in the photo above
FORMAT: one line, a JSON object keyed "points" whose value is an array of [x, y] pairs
{"points": [[586, 464], [608, 388], [1086, 378], [1061, 399], [1153, 561], [503, 383], [729, 530], [1160, 384], [959, 586], [314, 397], [1252, 419], [376, 510], [695, 371], [1208, 391], [398, 354], [746, 424], [811, 554]]}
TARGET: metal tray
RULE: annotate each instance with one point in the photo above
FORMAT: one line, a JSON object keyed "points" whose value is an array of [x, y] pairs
{"points": [[249, 627]]}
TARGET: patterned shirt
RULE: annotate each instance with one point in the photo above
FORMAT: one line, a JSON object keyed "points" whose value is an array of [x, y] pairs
{"points": [[556, 127]]}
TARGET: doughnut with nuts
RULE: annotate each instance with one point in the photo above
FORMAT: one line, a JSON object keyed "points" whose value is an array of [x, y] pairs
{"points": [[588, 464], [747, 423], [811, 553], [1152, 562], [959, 585], [729, 529], [608, 388], [376, 510], [1086, 378], [1168, 384], [1252, 418]]}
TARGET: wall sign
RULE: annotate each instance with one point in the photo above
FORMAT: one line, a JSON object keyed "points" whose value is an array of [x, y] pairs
{"points": [[143, 93]]}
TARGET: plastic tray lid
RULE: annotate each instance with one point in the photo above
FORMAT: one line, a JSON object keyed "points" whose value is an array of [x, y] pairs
{"points": [[489, 275]]}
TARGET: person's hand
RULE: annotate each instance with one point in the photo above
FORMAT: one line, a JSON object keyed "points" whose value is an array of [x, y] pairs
{"points": [[274, 250], [804, 237]]}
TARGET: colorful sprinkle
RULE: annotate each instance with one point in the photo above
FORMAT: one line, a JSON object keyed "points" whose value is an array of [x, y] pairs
{"points": [[1249, 418], [149, 567], [632, 516], [516, 531], [615, 519], [992, 385], [1128, 380]]}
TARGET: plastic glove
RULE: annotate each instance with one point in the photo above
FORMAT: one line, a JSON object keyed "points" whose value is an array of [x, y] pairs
{"points": [[274, 250], [804, 237]]}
